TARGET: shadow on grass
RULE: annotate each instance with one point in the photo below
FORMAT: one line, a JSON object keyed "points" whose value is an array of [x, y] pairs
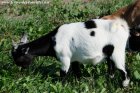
{"points": [[9, 69], [76, 71]]}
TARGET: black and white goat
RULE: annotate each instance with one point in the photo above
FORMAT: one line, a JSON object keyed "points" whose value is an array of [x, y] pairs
{"points": [[84, 42]]}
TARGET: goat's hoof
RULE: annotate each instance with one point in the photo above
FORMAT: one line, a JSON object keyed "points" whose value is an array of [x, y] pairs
{"points": [[111, 76], [126, 82]]}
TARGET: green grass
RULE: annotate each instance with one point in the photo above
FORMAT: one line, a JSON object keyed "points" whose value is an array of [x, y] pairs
{"points": [[43, 75]]}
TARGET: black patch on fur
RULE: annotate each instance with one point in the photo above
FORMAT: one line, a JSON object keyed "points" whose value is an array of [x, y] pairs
{"points": [[92, 33], [108, 50], [90, 24]]}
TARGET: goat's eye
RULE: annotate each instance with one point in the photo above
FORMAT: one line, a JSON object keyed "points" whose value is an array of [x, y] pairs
{"points": [[23, 50]]}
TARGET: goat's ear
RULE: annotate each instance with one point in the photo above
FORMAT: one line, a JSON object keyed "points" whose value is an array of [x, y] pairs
{"points": [[24, 38], [14, 44]]}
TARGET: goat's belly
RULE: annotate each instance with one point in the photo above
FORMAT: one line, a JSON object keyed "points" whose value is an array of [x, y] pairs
{"points": [[88, 59]]}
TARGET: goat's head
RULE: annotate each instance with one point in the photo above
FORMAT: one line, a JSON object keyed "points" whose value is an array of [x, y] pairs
{"points": [[20, 53]]}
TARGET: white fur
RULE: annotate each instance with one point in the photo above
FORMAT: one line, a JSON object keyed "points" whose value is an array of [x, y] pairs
{"points": [[126, 82], [74, 43]]}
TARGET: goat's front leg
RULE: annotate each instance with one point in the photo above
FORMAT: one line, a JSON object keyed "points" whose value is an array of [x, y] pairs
{"points": [[76, 69], [65, 66], [111, 67]]}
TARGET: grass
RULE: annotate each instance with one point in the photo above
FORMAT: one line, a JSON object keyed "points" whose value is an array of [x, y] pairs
{"points": [[43, 75]]}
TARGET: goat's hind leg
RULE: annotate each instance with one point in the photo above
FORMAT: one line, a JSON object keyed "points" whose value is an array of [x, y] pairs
{"points": [[111, 67], [119, 59]]}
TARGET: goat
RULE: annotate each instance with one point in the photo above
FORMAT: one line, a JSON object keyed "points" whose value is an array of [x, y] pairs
{"points": [[83, 42]]}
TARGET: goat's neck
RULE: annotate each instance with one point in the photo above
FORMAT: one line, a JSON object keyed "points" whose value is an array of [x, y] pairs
{"points": [[43, 46]]}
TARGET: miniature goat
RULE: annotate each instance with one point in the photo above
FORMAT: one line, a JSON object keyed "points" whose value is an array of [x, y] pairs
{"points": [[84, 42]]}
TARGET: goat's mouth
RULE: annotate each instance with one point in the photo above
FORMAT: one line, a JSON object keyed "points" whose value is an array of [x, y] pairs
{"points": [[23, 64], [24, 61]]}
